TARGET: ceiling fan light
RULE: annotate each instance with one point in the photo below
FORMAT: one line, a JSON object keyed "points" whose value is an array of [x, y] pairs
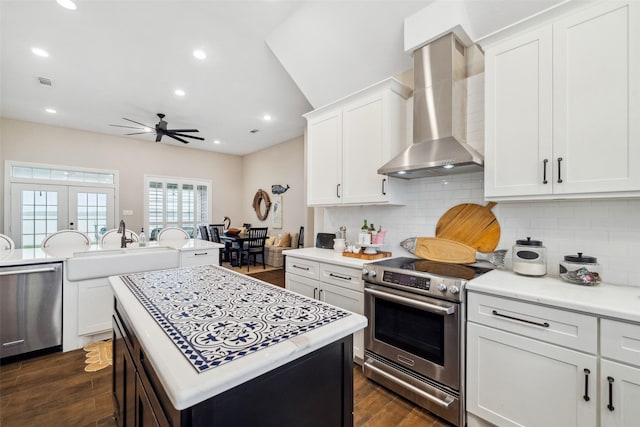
{"points": [[67, 4], [146, 129], [200, 54]]}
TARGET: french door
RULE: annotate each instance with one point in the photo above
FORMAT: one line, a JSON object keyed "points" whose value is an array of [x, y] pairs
{"points": [[38, 210]]}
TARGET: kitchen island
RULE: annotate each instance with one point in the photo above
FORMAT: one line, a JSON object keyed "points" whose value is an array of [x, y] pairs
{"points": [[207, 346]]}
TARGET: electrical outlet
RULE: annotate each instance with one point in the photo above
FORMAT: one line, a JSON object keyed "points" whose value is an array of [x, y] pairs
{"points": [[127, 212]]}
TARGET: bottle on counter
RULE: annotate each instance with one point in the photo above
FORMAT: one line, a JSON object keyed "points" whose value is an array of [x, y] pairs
{"points": [[142, 239], [364, 227], [364, 237]]}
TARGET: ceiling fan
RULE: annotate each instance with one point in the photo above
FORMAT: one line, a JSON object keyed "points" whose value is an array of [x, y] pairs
{"points": [[161, 130]]}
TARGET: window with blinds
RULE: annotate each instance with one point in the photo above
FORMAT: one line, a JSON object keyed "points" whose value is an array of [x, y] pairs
{"points": [[176, 202]]}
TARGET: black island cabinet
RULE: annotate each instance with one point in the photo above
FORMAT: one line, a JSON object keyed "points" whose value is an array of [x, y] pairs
{"points": [[315, 389]]}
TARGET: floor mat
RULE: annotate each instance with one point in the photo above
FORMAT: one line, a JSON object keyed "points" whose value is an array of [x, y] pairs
{"points": [[98, 355]]}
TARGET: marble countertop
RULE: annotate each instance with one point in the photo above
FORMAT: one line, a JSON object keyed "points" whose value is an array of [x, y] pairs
{"points": [[39, 256], [615, 301], [328, 256], [184, 385]]}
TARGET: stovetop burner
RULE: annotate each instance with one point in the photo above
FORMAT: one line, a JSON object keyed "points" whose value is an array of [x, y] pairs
{"points": [[458, 271]]}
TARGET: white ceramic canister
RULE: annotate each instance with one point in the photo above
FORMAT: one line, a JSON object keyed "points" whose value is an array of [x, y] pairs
{"points": [[339, 245], [529, 258]]}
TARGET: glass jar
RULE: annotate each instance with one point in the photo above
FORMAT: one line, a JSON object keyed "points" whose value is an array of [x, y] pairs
{"points": [[529, 258], [580, 269]]}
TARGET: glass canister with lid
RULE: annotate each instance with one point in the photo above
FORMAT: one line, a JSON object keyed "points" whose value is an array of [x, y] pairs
{"points": [[580, 269], [529, 258]]}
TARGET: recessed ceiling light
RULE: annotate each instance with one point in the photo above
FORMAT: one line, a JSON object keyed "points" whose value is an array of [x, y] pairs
{"points": [[200, 54], [50, 110], [67, 4], [40, 52], [266, 118], [216, 141], [179, 92]]}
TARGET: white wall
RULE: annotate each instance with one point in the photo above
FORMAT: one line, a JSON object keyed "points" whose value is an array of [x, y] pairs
{"points": [[281, 164], [31, 142], [606, 229]]}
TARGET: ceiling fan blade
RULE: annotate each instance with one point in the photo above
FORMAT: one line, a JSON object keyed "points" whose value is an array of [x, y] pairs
{"points": [[182, 130], [170, 135], [186, 136], [139, 133], [138, 123], [128, 127]]}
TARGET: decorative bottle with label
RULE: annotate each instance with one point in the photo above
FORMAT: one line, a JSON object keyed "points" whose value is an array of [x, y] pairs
{"points": [[142, 239]]}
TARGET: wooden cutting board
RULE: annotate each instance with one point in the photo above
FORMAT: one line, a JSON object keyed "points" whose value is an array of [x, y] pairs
{"points": [[471, 224], [443, 250]]}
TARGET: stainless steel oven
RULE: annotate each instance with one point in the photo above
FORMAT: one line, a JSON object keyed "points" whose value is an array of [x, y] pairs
{"points": [[414, 341]]}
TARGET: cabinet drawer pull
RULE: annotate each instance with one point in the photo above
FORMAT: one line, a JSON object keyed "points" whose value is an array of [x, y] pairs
{"points": [[586, 385], [559, 170], [610, 405], [544, 171], [337, 276], [544, 325], [201, 253], [301, 268], [384, 191], [338, 191]]}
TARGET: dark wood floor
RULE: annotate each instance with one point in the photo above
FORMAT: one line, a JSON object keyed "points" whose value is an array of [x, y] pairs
{"points": [[54, 390]]}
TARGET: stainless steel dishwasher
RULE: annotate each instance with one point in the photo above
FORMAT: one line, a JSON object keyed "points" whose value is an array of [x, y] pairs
{"points": [[30, 308]]}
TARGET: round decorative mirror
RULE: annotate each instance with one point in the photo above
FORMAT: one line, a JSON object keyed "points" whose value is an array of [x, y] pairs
{"points": [[261, 204]]}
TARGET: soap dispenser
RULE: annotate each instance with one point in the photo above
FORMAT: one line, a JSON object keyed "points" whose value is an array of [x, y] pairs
{"points": [[142, 240]]}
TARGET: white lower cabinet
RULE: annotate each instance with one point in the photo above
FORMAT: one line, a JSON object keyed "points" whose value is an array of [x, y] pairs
{"points": [[335, 285], [518, 381], [94, 306], [536, 365], [190, 258]]}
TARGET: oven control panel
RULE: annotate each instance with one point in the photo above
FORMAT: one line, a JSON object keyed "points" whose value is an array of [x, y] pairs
{"points": [[407, 280]]}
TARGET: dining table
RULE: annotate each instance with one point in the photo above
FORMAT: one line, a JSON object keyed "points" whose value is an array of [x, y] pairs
{"points": [[234, 242]]}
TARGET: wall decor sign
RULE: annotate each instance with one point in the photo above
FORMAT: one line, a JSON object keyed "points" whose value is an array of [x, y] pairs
{"points": [[277, 211]]}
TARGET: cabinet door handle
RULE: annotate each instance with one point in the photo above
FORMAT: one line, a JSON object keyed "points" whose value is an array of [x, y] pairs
{"points": [[320, 292], [315, 291], [544, 325], [559, 170], [337, 276], [544, 171], [384, 191], [338, 191], [586, 385], [301, 268], [610, 405]]}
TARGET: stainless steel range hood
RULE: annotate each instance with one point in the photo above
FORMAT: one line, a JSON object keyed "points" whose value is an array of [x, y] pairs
{"points": [[439, 115]]}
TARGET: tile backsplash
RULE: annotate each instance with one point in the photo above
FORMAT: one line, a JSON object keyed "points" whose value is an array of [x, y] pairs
{"points": [[606, 229]]}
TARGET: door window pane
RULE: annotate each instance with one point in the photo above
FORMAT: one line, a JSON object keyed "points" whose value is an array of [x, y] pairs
{"points": [[39, 217], [92, 214]]}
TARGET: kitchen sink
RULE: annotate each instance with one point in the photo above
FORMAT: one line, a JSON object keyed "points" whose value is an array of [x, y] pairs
{"points": [[105, 263]]}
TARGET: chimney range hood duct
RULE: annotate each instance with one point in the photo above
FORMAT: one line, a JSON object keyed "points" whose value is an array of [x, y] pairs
{"points": [[439, 115]]}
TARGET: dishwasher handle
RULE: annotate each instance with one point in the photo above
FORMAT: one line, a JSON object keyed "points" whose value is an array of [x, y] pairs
{"points": [[27, 271]]}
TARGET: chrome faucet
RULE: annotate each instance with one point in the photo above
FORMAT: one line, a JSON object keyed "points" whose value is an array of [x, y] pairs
{"points": [[123, 240]]}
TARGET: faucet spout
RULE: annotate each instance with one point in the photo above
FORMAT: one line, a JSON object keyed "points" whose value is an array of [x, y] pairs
{"points": [[122, 229]]}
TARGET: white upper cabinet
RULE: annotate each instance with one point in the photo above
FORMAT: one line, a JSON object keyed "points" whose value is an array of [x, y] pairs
{"points": [[349, 140], [563, 107]]}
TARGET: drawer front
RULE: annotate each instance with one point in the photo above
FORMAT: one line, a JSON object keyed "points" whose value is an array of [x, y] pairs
{"points": [[568, 329], [620, 341], [346, 277], [303, 267], [200, 257]]}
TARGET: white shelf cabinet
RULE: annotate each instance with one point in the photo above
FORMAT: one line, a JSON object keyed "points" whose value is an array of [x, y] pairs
{"points": [[348, 141], [333, 284], [562, 107]]}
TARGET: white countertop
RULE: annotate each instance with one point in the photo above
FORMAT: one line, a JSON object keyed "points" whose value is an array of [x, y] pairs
{"points": [[328, 256], [185, 387], [620, 302], [39, 256]]}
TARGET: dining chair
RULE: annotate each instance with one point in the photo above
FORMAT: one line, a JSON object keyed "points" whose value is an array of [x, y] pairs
{"points": [[172, 234], [204, 232], [220, 228], [111, 238], [6, 243], [255, 246], [225, 254]]}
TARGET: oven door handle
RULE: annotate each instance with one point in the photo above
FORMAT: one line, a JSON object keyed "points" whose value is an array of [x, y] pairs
{"points": [[443, 403], [411, 302]]}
